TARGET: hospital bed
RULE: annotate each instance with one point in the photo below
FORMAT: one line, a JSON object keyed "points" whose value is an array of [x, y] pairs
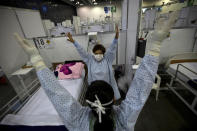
{"points": [[183, 71], [39, 111]]}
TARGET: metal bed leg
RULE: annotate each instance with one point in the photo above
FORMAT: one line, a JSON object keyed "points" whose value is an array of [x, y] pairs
{"points": [[24, 87], [170, 86], [171, 82], [194, 103], [157, 86], [157, 94]]}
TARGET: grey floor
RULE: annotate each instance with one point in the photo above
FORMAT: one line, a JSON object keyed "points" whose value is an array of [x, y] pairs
{"points": [[167, 114]]}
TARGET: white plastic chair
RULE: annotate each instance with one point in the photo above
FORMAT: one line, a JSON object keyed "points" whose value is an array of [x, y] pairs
{"points": [[156, 86]]}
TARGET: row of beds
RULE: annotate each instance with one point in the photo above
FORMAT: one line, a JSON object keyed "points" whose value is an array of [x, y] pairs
{"points": [[39, 114]]}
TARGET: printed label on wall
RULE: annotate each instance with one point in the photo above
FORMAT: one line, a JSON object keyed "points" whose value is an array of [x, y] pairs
{"points": [[43, 43]]}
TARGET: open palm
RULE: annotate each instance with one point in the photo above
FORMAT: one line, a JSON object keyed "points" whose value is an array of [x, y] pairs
{"points": [[29, 48]]}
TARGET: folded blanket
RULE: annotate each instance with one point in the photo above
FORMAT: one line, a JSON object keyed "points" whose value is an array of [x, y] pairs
{"points": [[71, 70]]}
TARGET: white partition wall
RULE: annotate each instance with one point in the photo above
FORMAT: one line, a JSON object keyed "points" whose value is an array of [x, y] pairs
{"points": [[12, 56], [64, 50], [31, 23], [180, 41], [28, 24]]}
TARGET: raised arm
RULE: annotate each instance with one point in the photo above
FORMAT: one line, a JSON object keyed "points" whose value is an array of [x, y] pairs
{"points": [[67, 107], [139, 91], [84, 55], [144, 77], [111, 51]]}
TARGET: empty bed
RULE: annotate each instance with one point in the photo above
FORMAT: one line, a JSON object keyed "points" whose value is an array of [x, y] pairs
{"points": [[183, 71]]}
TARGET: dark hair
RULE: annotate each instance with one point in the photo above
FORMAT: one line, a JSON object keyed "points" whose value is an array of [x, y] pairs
{"points": [[106, 125], [99, 47], [63, 33], [105, 94]]}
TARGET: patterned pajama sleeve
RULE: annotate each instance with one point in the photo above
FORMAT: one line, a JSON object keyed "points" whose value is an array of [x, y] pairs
{"points": [[138, 92], [70, 111], [84, 55], [111, 51]]}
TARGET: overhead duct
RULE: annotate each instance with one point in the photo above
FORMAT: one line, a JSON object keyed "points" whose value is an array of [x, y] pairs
{"points": [[69, 2]]}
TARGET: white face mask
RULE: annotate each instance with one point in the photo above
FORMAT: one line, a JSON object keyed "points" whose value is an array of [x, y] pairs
{"points": [[98, 57]]}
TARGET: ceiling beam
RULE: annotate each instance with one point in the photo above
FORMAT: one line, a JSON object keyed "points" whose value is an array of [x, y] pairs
{"points": [[69, 2], [85, 2], [90, 2]]}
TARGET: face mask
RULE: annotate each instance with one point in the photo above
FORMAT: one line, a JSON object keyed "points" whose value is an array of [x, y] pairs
{"points": [[98, 57]]}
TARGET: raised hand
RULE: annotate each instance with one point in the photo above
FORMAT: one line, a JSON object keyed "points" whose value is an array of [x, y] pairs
{"points": [[160, 33], [70, 38], [117, 32], [163, 27], [31, 50], [28, 47]]}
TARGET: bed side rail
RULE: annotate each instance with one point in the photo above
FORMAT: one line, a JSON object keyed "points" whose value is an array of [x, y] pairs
{"points": [[192, 105], [177, 71], [16, 103]]}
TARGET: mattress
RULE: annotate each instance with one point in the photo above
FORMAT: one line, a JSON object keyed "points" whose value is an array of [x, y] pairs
{"points": [[185, 74], [32, 120], [39, 109]]}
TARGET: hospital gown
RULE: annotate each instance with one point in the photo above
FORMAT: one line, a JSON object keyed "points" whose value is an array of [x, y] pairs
{"points": [[78, 118], [101, 70]]}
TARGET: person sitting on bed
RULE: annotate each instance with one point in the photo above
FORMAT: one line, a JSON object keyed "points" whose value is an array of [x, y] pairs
{"points": [[100, 62], [101, 114]]}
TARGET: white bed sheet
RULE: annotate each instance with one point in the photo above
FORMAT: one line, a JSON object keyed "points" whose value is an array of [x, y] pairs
{"points": [[191, 65], [39, 108], [32, 120]]}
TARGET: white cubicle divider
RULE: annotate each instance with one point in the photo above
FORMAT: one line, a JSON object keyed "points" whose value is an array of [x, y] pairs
{"points": [[64, 50], [12, 56], [180, 41], [48, 25], [67, 23], [28, 24], [77, 24], [31, 23]]}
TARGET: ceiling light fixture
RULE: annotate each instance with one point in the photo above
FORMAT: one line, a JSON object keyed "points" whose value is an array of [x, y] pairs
{"points": [[95, 3], [77, 2]]}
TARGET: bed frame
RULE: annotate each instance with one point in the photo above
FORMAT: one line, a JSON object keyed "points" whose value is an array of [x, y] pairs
{"points": [[85, 83], [16, 103], [174, 78]]}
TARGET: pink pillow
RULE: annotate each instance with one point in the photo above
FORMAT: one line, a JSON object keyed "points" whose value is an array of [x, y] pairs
{"points": [[76, 71]]}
